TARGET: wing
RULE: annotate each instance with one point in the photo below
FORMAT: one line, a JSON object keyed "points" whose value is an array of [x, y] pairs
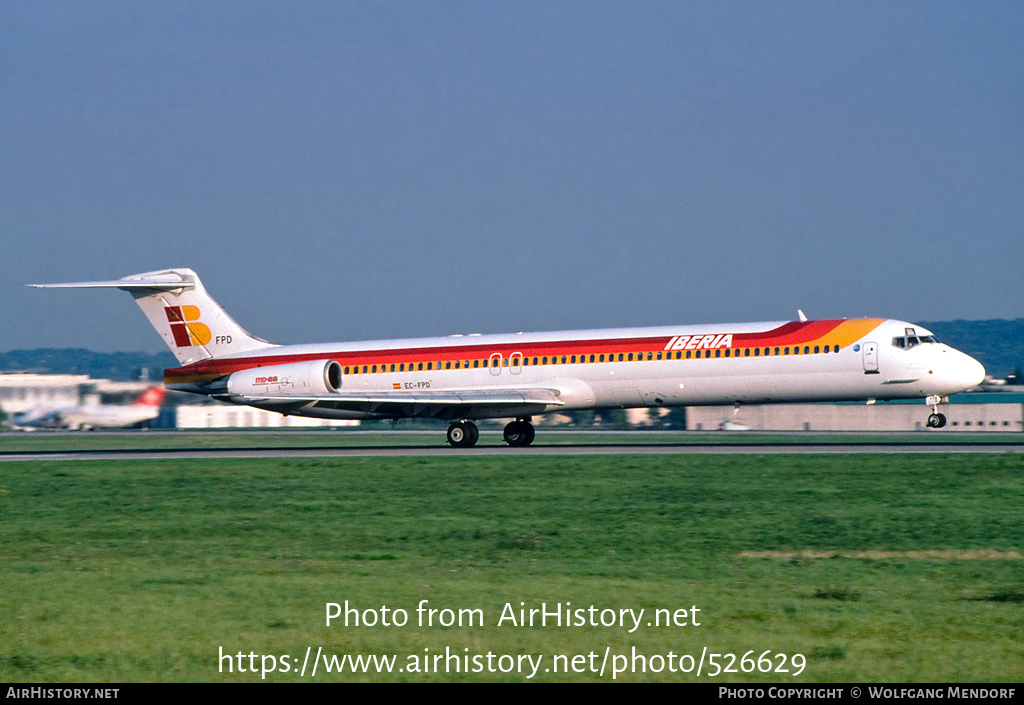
{"points": [[447, 405]]}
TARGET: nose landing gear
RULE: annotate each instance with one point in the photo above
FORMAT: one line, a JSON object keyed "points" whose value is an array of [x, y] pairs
{"points": [[935, 419]]}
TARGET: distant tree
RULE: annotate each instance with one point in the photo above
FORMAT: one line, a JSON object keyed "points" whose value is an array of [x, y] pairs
{"points": [[675, 419], [582, 418], [613, 418]]}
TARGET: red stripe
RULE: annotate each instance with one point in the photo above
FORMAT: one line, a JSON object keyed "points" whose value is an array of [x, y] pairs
{"points": [[787, 334]]}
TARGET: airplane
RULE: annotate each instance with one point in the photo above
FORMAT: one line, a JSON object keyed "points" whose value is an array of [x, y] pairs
{"points": [[461, 379], [145, 409]]}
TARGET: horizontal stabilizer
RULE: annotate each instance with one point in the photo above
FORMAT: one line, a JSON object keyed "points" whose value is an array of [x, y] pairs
{"points": [[126, 284], [192, 324]]}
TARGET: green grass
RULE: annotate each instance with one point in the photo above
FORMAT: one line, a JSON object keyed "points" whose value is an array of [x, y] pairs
{"points": [[143, 570]]}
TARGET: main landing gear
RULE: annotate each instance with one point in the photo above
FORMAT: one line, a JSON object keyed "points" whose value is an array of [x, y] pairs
{"points": [[519, 433], [935, 419], [465, 434]]}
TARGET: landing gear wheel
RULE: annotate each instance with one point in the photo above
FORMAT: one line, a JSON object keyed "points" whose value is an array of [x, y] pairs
{"points": [[463, 434], [519, 433], [936, 420]]}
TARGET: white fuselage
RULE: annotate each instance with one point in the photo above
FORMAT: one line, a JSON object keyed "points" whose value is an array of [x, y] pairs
{"points": [[854, 359]]}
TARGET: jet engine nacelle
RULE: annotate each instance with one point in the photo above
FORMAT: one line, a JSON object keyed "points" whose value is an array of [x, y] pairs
{"points": [[299, 379]]}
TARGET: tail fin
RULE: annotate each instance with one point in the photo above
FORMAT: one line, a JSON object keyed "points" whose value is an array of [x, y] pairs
{"points": [[154, 396], [193, 325]]}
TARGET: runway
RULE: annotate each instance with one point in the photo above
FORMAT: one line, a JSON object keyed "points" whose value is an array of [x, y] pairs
{"points": [[772, 446]]}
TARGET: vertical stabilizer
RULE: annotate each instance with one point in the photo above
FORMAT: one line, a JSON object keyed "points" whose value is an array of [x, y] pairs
{"points": [[193, 325], [154, 396]]}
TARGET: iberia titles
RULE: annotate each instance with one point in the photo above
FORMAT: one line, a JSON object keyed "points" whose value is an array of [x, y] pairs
{"points": [[700, 342]]}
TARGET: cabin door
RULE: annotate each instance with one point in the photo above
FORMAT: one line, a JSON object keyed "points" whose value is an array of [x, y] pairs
{"points": [[870, 358]]}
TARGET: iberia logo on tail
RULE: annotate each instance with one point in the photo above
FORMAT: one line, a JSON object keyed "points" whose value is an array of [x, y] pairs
{"points": [[185, 326]]}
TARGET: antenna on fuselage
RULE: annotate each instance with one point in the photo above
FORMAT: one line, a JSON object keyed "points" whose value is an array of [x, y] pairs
{"points": [[803, 318]]}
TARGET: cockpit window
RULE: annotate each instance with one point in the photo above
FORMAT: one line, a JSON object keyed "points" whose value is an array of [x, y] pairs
{"points": [[906, 342]]}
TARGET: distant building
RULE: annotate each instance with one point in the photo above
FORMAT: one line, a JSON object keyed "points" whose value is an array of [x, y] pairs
{"points": [[969, 412], [21, 392], [231, 416]]}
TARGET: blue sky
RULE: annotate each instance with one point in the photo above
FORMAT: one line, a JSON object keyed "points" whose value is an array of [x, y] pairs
{"points": [[359, 170]]}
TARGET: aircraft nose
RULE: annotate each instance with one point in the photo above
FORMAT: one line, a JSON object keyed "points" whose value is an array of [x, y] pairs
{"points": [[967, 371], [973, 371]]}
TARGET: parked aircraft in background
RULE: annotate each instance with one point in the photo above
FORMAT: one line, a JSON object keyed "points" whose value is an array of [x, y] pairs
{"points": [[464, 378], [145, 409]]}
